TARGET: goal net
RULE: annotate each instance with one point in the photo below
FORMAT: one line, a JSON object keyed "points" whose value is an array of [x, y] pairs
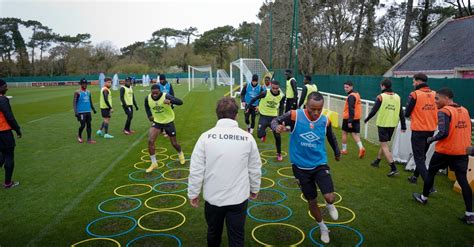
{"points": [[241, 71], [223, 79], [200, 78]]}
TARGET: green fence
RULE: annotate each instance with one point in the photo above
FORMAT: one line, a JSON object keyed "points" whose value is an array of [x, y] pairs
{"points": [[369, 86]]}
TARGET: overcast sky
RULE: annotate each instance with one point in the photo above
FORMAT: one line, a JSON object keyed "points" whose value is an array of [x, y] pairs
{"points": [[124, 22]]}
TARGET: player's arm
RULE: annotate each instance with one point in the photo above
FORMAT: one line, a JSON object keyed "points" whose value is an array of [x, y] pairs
{"points": [[378, 103], [279, 123], [92, 105], [260, 96], [351, 105], [74, 102], [148, 110], [171, 89], [196, 172], [444, 120], [295, 89], [122, 96], [331, 137], [411, 102], [173, 100], [243, 92], [303, 96], [8, 113], [402, 119], [281, 109], [135, 102], [105, 93]]}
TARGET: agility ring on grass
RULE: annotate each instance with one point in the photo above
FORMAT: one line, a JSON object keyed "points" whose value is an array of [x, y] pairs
{"points": [[96, 239], [130, 243], [146, 157], [176, 169], [187, 157], [113, 235], [133, 195], [170, 192], [264, 161], [278, 224], [290, 213], [339, 222], [130, 175], [165, 229], [158, 150], [166, 195], [361, 237], [321, 204], [265, 155], [175, 164], [280, 172], [279, 182], [282, 194], [272, 183], [99, 207], [137, 165], [266, 146], [264, 171]]}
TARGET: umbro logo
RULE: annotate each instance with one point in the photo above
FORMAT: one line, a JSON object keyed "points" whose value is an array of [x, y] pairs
{"points": [[309, 136]]}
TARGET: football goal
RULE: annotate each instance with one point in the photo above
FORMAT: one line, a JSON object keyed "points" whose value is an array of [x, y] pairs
{"points": [[241, 71], [200, 78], [223, 79]]}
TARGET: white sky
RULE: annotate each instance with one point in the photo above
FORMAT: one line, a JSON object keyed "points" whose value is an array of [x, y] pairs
{"points": [[124, 22]]}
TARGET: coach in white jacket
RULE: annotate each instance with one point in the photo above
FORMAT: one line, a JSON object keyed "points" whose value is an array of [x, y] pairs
{"points": [[226, 162]]}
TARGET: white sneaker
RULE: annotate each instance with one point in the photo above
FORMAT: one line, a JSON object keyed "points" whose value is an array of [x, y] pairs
{"points": [[251, 131], [332, 211], [325, 236]]}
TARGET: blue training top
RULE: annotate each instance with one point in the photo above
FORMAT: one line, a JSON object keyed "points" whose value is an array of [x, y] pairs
{"points": [[307, 141], [252, 92], [84, 102], [165, 88]]}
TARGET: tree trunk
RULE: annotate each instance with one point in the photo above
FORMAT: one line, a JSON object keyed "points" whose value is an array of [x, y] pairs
{"points": [[355, 50], [406, 28], [424, 21], [460, 8]]}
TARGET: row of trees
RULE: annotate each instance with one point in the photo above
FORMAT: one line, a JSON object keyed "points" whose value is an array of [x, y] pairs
{"points": [[340, 36]]}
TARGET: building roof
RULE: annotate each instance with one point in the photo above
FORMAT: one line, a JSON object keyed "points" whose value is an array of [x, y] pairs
{"points": [[449, 46]]}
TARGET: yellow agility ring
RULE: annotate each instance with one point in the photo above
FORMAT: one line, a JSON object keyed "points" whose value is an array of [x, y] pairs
{"points": [[176, 156], [321, 204], [166, 195], [159, 150], [133, 195], [264, 161], [164, 157], [264, 154], [137, 165], [176, 169], [281, 224], [268, 179], [279, 171], [165, 229], [95, 239], [339, 222]]}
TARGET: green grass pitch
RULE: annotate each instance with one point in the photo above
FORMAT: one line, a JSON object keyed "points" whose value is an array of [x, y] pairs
{"points": [[62, 183]]}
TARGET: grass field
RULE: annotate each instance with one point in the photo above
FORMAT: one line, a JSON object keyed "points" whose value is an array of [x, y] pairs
{"points": [[62, 183]]}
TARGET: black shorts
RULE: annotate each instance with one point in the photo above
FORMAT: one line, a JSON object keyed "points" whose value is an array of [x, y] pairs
{"points": [[355, 126], [105, 113], [169, 128], [308, 179], [457, 163], [7, 141], [265, 122], [385, 133], [128, 109], [84, 116]]}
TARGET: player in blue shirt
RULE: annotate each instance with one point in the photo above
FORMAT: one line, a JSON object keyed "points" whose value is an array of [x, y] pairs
{"points": [[82, 109], [250, 91]]}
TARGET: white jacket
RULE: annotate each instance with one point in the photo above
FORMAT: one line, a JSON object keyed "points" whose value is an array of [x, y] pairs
{"points": [[226, 161]]}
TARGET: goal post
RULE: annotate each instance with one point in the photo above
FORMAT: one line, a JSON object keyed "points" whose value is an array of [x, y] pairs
{"points": [[241, 70], [223, 79], [200, 77]]}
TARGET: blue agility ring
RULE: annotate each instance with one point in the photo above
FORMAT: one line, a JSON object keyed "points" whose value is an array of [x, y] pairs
{"points": [[170, 192], [264, 171], [130, 175], [99, 207], [361, 237], [155, 235], [283, 197], [290, 213], [113, 235], [284, 186]]}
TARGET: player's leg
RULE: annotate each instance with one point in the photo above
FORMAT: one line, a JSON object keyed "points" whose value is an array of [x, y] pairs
{"points": [[152, 135], [82, 120], [355, 132], [89, 128], [253, 113], [325, 184], [170, 130], [9, 166], [261, 129], [459, 165]]}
